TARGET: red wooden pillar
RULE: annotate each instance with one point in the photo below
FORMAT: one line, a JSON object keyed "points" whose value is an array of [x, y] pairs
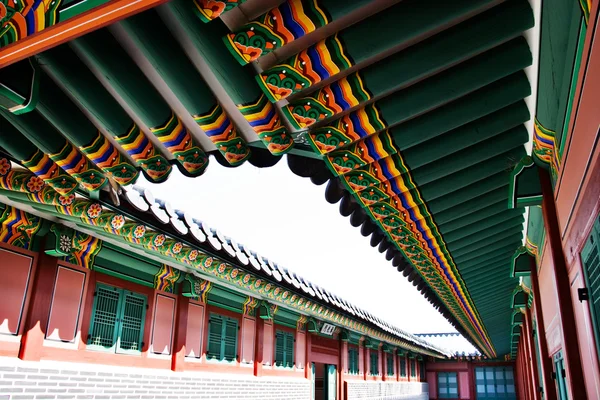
{"points": [[546, 361], [259, 347], [343, 366], [532, 355], [366, 362], [397, 363], [308, 369], [384, 357], [527, 358], [563, 290], [39, 308], [181, 321]]}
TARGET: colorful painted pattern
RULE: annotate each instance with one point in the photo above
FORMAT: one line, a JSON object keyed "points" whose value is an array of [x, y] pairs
{"points": [[382, 182], [23, 181], [278, 27], [18, 227], [348, 129], [106, 157], [74, 163], [22, 18], [137, 145], [176, 138], [208, 10], [320, 61], [84, 250], [249, 306], [328, 101], [544, 147], [361, 153], [199, 287], [265, 121], [46, 169], [221, 131], [586, 6], [166, 278]]}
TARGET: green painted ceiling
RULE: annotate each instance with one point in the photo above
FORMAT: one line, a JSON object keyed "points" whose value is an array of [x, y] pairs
{"points": [[416, 124]]}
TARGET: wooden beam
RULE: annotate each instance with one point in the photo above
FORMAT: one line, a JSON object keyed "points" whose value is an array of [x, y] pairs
{"points": [[72, 28]]}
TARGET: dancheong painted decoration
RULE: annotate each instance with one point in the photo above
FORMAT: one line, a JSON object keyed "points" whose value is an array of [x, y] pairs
{"points": [[417, 115]]}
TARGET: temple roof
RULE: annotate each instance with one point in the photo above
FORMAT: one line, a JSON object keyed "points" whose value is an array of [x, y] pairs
{"points": [[414, 114]]}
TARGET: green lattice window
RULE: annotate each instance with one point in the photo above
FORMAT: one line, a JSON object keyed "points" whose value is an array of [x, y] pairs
{"points": [[353, 360], [222, 338], [403, 367], [374, 362], [413, 368], [284, 349], [389, 359], [447, 385], [590, 257], [118, 318]]}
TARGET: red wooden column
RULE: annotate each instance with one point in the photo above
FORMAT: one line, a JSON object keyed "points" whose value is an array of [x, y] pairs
{"points": [[527, 358], [546, 361], [259, 347], [563, 290], [397, 364], [532, 356], [308, 369], [181, 322], [39, 308], [343, 366], [366, 362]]}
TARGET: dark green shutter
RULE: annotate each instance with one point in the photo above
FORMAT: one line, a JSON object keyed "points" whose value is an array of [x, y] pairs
{"points": [[353, 360], [131, 324], [215, 330], [230, 339], [590, 256], [289, 350], [390, 364], [103, 328], [403, 367], [374, 363], [413, 368], [279, 348]]}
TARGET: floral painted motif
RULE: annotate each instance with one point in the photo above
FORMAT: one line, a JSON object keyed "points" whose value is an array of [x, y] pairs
{"points": [[117, 221], [35, 184], [65, 243], [235, 273], [246, 278], [94, 210], [193, 255], [139, 231], [221, 268], [4, 166], [177, 247], [159, 240], [66, 200]]}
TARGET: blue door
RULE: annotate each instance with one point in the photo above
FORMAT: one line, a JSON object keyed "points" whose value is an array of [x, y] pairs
{"points": [[560, 376]]}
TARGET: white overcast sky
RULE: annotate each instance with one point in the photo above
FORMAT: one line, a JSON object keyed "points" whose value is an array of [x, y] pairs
{"points": [[286, 218]]}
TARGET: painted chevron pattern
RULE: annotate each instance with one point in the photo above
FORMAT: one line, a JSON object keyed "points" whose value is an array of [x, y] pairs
{"points": [[265, 121], [43, 166], [18, 227], [179, 142], [84, 251], [106, 157], [221, 131], [74, 163], [166, 278]]}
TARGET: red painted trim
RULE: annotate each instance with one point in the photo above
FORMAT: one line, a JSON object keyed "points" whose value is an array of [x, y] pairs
{"points": [[38, 311], [72, 28], [180, 334], [563, 290], [258, 347]]}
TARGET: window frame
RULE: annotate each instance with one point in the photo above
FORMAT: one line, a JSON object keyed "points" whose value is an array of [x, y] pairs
{"points": [[287, 335], [222, 351], [413, 368], [447, 375], [119, 320]]}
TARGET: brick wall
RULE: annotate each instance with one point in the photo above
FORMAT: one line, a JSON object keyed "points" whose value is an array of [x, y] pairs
{"points": [[386, 390], [58, 380]]}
